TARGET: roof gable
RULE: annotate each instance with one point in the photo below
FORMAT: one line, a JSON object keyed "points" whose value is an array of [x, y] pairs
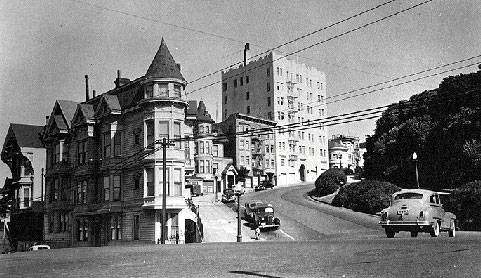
{"points": [[68, 109], [109, 104], [84, 113], [27, 135], [163, 65]]}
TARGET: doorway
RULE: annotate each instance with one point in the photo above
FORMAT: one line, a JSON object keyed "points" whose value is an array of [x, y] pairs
{"points": [[302, 172]]}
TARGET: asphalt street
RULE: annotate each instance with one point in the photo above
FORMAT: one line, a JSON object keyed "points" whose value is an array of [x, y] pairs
{"points": [[315, 240]]}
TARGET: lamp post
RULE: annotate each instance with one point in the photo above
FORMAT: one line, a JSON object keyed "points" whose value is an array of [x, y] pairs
{"points": [[239, 234], [415, 158]]}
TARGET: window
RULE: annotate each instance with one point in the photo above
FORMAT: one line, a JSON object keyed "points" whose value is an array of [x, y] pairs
{"points": [[26, 197], [247, 95], [235, 83], [242, 81], [247, 79], [268, 71], [282, 161], [177, 133], [215, 168], [163, 130], [215, 150], [106, 188], [269, 115], [106, 144], [117, 143], [56, 189], [247, 160], [57, 153], [202, 150], [116, 227], [136, 182], [177, 91], [167, 178], [150, 181], [149, 126], [207, 166], [81, 152], [224, 86], [241, 144], [201, 168], [116, 188], [163, 89], [268, 101], [268, 86], [207, 147], [248, 109], [225, 99], [83, 229]]}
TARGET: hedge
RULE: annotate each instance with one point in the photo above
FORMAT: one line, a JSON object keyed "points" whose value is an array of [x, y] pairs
{"points": [[368, 196], [329, 181], [465, 203]]}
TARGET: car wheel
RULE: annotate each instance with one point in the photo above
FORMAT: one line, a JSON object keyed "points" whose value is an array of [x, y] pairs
{"points": [[414, 233], [435, 230], [277, 221], [452, 229], [390, 233]]}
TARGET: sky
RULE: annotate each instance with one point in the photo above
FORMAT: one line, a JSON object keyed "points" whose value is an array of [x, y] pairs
{"points": [[48, 46]]}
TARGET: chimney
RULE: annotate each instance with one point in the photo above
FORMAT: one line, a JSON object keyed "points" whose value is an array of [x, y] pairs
{"points": [[119, 82], [93, 94], [246, 54], [86, 88], [46, 119]]}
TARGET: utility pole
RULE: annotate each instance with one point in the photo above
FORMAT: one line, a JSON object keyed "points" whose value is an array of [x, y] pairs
{"points": [[165, 144], [415, 158]]}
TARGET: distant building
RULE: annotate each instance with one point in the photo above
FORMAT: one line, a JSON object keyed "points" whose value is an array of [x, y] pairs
{"points": [[344, 152], [205, 159], [25, 155], [361, 151], [104, 175], [256, 151], [289, 93]]}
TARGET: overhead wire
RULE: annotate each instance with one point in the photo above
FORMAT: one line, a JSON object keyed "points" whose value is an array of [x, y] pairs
{"points": [[316, 44]]}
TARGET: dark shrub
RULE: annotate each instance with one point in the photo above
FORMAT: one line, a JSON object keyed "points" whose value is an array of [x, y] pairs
{"points": [[369, 196], [348, 171], [329, 181], [465, 203]]}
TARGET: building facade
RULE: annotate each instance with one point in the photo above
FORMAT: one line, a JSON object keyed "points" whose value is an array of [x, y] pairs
{"points": [[344, 152], [254, 151], [294, 96], [25, 155], [205, 159], [104, 175]]}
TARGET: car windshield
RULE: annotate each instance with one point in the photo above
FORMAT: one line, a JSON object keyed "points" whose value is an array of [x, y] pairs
{"points": [[408, 195]]}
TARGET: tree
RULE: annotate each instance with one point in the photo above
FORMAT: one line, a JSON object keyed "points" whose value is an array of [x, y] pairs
{"points": [[442, 126], [329, 181]]}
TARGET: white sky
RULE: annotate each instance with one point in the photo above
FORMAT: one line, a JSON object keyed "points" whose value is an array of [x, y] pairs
{"points": [[47, 47]]}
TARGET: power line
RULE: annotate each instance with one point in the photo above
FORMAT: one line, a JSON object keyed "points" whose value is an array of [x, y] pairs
{"points": [[298, 38], [319, 43]]}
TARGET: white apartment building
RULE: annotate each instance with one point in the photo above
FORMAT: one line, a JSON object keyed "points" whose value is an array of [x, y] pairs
{"points": [[293, 95]]}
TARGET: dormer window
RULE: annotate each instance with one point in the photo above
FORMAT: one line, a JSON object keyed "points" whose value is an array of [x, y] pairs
{"points": [[163, 90], [177, 91], [149, 92]]}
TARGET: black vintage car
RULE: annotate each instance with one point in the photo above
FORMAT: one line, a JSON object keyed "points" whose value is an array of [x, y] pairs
{"points": [[228, 196], [261, 215]]}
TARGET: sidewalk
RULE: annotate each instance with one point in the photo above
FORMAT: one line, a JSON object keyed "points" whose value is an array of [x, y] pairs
{"points": [[220, 221]]}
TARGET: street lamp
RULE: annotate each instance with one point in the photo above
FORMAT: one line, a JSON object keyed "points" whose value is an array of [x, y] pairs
{"points": [[415, 158], [239, 233]]}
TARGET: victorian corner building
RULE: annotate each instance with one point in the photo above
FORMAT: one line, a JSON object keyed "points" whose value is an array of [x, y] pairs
{"points": [[104, 174]]}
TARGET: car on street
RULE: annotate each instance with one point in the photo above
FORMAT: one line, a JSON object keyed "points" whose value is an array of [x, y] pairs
{"points": [[417, 210], [264, 185], [228, 196], [39, 247], [261, 215]]}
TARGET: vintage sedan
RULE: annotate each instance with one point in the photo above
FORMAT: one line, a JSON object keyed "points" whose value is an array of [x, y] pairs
{"points": [[260, 214], [417, 210]]}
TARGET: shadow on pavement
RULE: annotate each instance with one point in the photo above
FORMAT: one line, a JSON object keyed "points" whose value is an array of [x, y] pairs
{"points": [[252, 273]]}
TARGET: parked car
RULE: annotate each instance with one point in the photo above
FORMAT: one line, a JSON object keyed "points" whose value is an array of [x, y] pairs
{"points": [[39, 247], [264, 185], [260, 214], [196, 190], [417, 210], [228, 196]]}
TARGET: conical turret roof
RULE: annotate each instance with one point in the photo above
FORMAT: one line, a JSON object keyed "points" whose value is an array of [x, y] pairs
{"points": [[164, 65]]}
